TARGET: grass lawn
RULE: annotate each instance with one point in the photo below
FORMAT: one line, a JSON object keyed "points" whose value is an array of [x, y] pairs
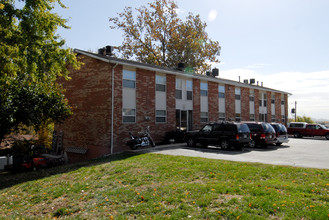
{"points": [[154, 186]]}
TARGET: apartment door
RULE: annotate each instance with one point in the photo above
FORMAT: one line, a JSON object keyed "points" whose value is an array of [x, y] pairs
{"points": [[184, 120]]}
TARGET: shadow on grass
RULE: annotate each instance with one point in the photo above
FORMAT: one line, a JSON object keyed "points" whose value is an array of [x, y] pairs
{"points": [[8, 178]]}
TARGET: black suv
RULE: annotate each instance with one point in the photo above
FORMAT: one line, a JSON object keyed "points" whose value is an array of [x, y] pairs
{"points": [[262, 134], [225, 134]]}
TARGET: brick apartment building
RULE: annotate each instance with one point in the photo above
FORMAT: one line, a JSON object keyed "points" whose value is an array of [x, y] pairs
{"points": [[142, 95]]}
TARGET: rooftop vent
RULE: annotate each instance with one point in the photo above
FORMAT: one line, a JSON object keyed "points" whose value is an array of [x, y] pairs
{"points": [[208, 73], [214, 72], [108, 50], [245, 81], [101, 51], [181, 66], [252, 81]]}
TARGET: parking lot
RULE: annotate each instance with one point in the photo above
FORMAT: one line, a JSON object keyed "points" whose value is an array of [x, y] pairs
{"points": [[305, 152]]}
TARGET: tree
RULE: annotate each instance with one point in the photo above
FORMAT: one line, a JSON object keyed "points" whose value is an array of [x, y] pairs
{"points": [[303, 118], [31, 59], [158, 36]]}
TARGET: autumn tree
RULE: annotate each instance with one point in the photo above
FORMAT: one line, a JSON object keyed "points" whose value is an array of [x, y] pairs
{"points": [[156, 35], [32, 57]]}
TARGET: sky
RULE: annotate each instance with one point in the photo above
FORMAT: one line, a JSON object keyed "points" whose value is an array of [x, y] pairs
{"points": [[282, 43]]}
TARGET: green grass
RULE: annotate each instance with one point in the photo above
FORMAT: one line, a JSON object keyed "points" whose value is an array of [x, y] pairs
{"points": [[152, 186]]}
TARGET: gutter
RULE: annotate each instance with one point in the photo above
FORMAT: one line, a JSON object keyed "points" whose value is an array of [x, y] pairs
{"points": [[112, 107], [178, 73]]}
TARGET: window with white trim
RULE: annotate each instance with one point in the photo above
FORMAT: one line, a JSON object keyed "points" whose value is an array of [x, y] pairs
{"points": [[161, 116], [179, 88], [237, 117], [160, 83], [221, 116], [129, 79], [204, 117], [237, 93], [221, 92], [128, 115], [203, 89], [189, 90], [251, 95]]}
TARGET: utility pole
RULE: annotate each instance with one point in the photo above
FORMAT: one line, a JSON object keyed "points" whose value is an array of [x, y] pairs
{"points": [[295, 111]]}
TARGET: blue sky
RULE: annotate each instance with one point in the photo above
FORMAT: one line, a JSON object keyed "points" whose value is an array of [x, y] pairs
{"points": [[282, 43]]}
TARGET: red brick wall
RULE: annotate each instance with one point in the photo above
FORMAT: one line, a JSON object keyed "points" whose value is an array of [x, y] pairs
{"points": [[286, 109], [269, 109], [196, 104], [256, 104], [278, 107], [230, 102], [245, 107], [89, 126], [213, 107]]}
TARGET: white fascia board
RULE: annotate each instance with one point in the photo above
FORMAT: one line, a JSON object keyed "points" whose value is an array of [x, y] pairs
{"points": [[183, 75]]}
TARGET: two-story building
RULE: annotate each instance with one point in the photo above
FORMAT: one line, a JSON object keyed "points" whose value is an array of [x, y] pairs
{"points": [[112, 96]]}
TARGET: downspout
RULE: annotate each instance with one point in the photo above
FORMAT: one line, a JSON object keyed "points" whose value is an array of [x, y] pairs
{"points": [[112, 107]]}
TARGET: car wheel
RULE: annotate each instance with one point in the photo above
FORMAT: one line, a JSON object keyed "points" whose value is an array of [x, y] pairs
{"points": [[190, 142], [252, 144], [327, 136], [224, 145], [297, 135]]}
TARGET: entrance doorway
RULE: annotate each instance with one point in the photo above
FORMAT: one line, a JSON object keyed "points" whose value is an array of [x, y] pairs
{"points": [[184, 120]]}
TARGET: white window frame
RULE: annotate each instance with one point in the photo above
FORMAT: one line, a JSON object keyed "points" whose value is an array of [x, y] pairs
{"points": [[203, 89], [161, 116], [128, 76], [162, 82], [127, 115], [204, 117]]}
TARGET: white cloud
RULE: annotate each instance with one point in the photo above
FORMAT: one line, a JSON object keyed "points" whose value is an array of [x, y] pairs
{"points": [[212, 15], [180, 11], [309, 89]]}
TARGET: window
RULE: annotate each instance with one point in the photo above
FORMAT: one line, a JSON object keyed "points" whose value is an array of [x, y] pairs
{"points": [[221, 92], [204, 117], [128, 115], [265, 99], [237, 117], [204, 89], [207, 128], [160, 116], [273, 99], [189, 90], [179, 87], [251, 96], [282, 100], [252, 117], [237, 93], [129, 79], [160, 83], [273, 118], [221, 116]]}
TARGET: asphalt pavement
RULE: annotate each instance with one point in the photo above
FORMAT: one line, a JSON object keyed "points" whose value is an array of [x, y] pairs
{"points": [[305, 152]]}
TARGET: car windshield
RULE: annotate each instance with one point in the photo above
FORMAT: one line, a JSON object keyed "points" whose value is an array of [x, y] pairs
{"points": [[268, 128], [254, 127], [283, 128], [323, 127], [243, 128]]}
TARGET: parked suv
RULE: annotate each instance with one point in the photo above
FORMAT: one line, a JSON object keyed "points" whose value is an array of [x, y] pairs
{"points": [[262, 134], [281, 133], [225, 134]]}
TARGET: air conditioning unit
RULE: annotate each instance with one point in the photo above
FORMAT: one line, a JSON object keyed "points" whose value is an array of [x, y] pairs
{"points": [[214, 72]]}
